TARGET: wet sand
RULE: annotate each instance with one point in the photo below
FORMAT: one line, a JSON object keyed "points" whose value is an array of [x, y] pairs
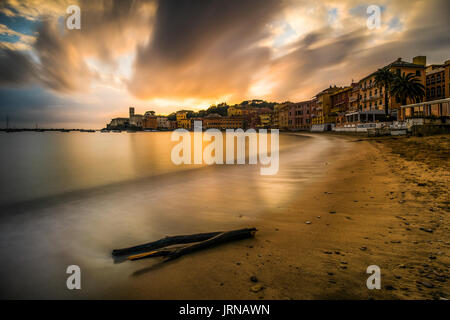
{"points": [[366, 210], [369, 209], [356, 203]]}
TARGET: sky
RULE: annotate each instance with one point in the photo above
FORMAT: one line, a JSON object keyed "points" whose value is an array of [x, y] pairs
{"points": [[168, 55]]}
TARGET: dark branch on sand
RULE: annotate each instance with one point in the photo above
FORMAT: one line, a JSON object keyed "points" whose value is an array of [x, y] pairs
{"points": [[201, 241]]}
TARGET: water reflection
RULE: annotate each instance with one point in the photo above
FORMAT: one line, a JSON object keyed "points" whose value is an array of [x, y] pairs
{"points": [[96, 192]]}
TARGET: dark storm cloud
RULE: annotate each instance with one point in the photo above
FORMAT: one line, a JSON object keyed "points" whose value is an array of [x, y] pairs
{"points": [[203, 48], [108, 29], [312, 57], [62, 67], [16, 68]]}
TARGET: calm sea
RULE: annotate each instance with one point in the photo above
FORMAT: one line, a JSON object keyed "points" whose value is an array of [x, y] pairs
{"points": [[70, 198]]}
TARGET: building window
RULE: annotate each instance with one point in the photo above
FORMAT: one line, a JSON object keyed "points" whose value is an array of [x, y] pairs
{"points": [[432, 92], [418, 73], [438, 78], [428, 81], [438, 91], [428, 93]]}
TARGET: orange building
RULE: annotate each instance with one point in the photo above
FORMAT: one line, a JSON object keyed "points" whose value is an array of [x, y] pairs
{"points": [[216, 121], [372, 97], [323, 113], [438, 81]]}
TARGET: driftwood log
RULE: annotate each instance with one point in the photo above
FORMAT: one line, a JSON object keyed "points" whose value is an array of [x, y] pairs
{"points": [[213, 238], [164, 242]]}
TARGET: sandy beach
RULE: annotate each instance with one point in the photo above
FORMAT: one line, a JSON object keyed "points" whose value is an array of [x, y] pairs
{"points": [[338, 205], [373, 207]]}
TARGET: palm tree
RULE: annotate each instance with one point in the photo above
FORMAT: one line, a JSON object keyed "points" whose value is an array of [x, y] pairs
{"points": [[384, 78], [407, 87]]}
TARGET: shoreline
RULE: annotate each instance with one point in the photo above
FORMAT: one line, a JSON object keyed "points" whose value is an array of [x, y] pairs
{"points": [[363, 212], [339, 205]]}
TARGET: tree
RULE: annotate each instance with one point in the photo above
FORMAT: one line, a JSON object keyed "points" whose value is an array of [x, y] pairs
{"points": [[406, 87], [384, 78]]}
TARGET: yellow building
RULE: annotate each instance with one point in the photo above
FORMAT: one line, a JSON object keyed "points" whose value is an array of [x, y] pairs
{"points": [[280, 116], [234, 112], [372, 97], [447, 76], [182, 120], [323, 106], [265, 120]]}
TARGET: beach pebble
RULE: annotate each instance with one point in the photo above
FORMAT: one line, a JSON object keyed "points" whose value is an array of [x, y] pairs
{"points": [[363, 248], [253, 279], [426, 284], [332, 212], [388, 287], [256, 288], [308, 222]]}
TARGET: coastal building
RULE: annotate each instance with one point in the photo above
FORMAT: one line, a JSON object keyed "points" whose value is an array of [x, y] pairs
{"points": [[234, 111], [301, 115], [182, 120], [150, 121], [324, 118], [372, 97], [136, 120], [353, 100], [251, 116], [216, 121], [282, 114], [340, 103], [430, 112], [438, 81], [265, 120], [121, 123], [163, 123]]}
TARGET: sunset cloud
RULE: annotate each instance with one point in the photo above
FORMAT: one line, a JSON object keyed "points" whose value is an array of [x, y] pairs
{"points": [[165, 54]]}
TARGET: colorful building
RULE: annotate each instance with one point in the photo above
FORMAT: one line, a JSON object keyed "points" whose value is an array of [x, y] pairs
{"points": [[438, 81], [265, 120], [182, 120], [135, 120], [121, 123], [372, 97], [340, 103], [323, 114], [300, 115], [216, 121], [234, 111]]}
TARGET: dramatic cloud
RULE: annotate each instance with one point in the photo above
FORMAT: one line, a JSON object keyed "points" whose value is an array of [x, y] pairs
{"points": [[203, 48], [167, 54], [16, 68]]}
